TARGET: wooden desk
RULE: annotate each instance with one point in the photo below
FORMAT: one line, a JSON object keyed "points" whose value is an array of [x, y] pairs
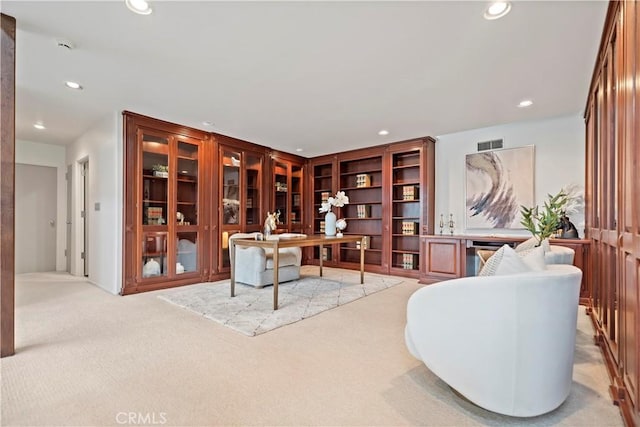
{"points": [[289, 242], [445, 256]]}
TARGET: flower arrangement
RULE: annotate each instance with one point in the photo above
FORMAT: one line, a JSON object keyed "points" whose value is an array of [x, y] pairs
{"points": [[338, 201]]}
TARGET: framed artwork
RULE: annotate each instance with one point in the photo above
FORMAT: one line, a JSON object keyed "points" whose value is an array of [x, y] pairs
{"points": [[497, 184]]}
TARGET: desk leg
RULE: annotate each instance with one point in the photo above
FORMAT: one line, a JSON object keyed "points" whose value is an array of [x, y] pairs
{"points": [[362, 261], [276, 266], [321, 250], [232, 247]]}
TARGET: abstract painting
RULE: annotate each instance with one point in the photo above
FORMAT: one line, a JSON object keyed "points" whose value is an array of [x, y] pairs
{"points": [[498, 183]]}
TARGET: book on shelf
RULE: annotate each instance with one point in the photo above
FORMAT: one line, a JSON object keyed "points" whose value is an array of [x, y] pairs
{"points": [[154, 212], [409, 192], [366, 240], [325, 254], [409, 227], [363, 180], [408, 261], [296, 200], [249, 203], [324, 196], [322, 226], [363, 211]]}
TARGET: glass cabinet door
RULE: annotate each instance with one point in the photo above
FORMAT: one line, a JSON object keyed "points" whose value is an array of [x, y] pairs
{"points": [[253, 173], [155, 180], [187, 208], [281, 192], [296, 197], [231, 188], [154, 202]]}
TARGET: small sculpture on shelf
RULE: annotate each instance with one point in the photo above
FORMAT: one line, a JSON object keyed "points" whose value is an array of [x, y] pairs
{"points": [[441, 223], [451, 224], [271, 223], [569, 231], [341, 224], [160, 170]]}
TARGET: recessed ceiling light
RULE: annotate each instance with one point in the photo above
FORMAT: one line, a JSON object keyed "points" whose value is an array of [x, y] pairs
{"points": [[298, 150], [39, 126], [140, 7], [207, 123], [73, 85], [497, 9], [525, 103], [383, 132]]}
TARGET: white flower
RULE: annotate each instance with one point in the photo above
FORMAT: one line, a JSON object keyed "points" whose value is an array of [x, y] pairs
{"points": [[325, 207], [339, 201]]}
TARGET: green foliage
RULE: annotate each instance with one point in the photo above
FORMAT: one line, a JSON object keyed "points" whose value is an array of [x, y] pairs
{"points": [[160, 168], [543, 223]]}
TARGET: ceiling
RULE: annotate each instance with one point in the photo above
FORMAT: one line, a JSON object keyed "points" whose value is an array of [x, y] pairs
{"points": [[318, 76]]}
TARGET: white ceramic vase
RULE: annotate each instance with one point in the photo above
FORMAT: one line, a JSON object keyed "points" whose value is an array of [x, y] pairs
{"points": [[330, 224]]}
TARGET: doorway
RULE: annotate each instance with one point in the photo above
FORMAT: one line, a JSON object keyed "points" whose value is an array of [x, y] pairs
{"points": [[84, 216], [35, 218], [67, 252]]}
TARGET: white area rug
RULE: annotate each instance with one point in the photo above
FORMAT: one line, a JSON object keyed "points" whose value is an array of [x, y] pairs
{"points": [[251, 310]]}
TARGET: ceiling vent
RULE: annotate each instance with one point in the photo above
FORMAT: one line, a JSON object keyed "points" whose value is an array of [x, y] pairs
{"points": [[490, 145]]}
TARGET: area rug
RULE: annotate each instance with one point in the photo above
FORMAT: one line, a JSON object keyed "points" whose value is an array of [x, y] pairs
{"points": [[251, 310]]}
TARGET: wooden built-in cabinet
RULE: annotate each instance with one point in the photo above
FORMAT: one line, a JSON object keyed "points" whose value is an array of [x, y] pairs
{"points": [[241, 183], [166, 217], [613, 202], [288, 175], [390, 190], [188, 191], [453, 256]]}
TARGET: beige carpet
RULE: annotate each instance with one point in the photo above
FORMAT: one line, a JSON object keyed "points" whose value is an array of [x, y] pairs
{"points": [[85, 358], [251, 310]]}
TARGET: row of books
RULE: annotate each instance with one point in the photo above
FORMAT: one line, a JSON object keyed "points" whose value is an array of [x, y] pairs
{"points": [[409, 192], [409, 227], [363, 180], [408, 261], [363, 211]]}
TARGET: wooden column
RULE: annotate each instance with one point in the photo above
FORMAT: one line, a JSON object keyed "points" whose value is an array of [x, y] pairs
{"points": [[7, 183]]}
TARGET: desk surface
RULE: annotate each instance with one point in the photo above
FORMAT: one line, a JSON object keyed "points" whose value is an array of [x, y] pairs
{"points": [[299, 241]]}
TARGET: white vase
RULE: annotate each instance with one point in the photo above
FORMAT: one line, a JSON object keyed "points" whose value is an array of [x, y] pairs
{"points": [[330, 224]]}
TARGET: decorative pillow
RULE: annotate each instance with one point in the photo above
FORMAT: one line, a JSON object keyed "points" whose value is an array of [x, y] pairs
{"points": [[532, 243], [511, 263], [534, 258], [508, 261], [527, 244], [493, 262]]}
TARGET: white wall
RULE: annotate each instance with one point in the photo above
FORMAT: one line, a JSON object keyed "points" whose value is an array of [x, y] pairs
{"points": [[101, 146], [559, 161], [34, 153]]}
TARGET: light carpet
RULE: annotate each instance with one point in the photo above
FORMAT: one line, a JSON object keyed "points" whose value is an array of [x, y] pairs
{"points": [[251, 310]]}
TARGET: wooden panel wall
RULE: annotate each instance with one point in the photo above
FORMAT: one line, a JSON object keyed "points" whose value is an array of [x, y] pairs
{"points": [[613, 201], [7, 183]]}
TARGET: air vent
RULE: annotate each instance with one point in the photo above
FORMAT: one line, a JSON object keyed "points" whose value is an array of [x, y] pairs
{"points": [[490, 145]]}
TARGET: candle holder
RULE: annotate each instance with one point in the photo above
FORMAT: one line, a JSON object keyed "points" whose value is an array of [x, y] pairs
{"points": [[441, 223], [451, 223]]}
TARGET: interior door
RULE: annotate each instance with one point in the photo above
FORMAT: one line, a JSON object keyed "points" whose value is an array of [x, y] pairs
{"points": [[36, 218]]}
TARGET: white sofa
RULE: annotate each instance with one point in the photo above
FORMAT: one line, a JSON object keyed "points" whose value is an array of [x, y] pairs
{"points": [[254, 266], [506, 343]]}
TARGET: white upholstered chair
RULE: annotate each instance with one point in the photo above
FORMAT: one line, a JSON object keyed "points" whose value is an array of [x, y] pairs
{"points": [[254, 266], [506, 343]]}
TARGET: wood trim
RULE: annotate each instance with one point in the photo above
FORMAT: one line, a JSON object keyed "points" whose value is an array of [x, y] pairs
{"points": [[7, 184]]}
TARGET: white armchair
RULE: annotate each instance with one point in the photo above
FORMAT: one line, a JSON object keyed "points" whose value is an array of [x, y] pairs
{"points": [[254, 265], [506, 343]]}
